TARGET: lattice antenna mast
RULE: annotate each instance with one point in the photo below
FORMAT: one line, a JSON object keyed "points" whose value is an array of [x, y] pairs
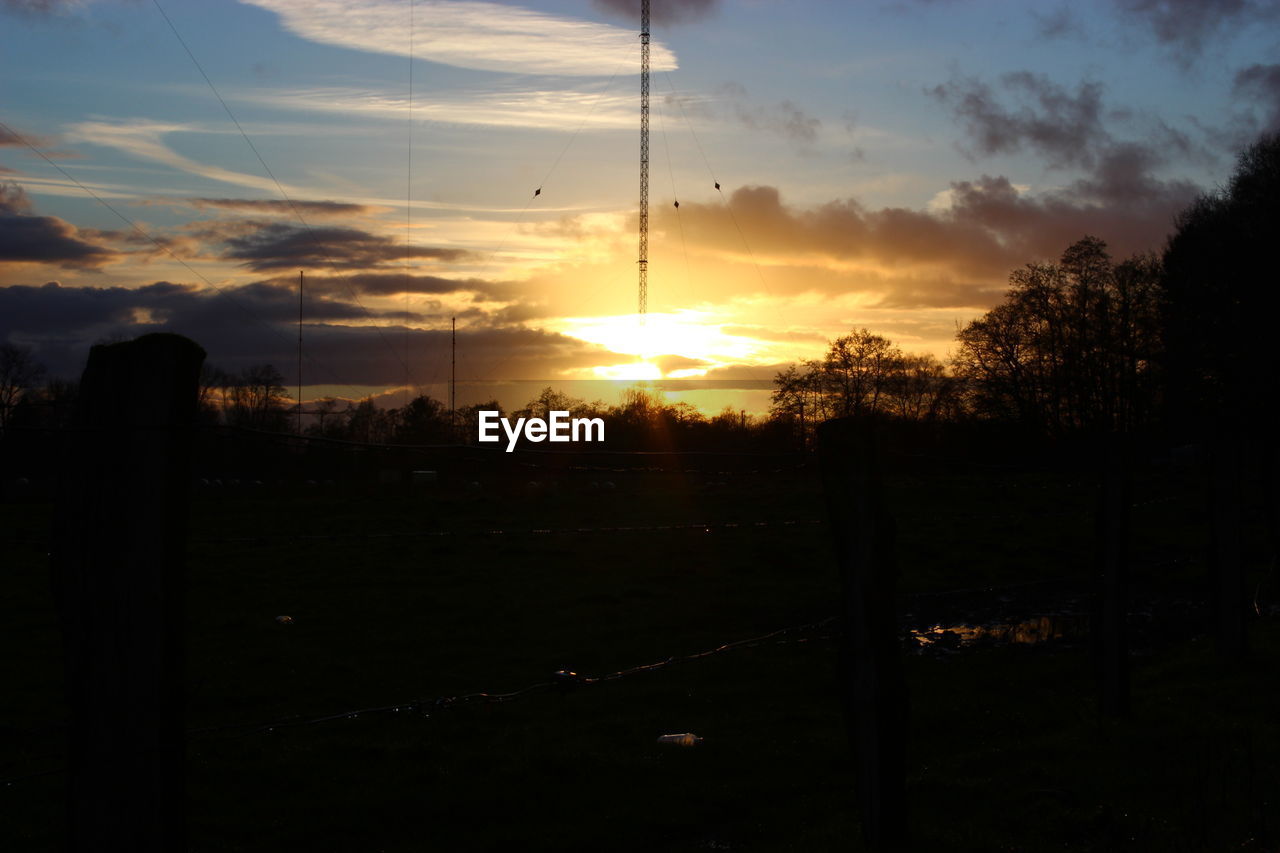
{"points": [[644, 158]]}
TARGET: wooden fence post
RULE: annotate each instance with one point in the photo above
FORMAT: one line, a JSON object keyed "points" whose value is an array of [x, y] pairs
{"points": [[117, 567], [1225, 509], [875, 690], [1111, 639]]}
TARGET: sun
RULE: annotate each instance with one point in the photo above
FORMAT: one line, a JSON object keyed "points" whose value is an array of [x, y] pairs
{"points": [[638, 370], [694, 337]]}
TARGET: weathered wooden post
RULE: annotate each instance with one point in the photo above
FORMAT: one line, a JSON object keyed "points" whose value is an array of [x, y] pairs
{"points": [[1110, 630], [1225, 508], [875, 690], [118, 577]]}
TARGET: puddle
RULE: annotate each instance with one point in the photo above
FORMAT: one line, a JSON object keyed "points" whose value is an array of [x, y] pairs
{"points": [[1039, 629]]}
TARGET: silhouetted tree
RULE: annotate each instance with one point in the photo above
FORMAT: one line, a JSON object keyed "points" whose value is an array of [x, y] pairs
{"points": [[213, 393], [258, 398], [921, 389], [422, 420], [51, 405], [1072, 348], [551, 400], [371, 424], [468, 420], [330, 421], [857, 371], [19, 373], [862, 375], [1221, 300]]}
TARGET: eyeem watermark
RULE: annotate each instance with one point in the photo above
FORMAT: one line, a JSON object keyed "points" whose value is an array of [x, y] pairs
{"points": [[557, 427]]}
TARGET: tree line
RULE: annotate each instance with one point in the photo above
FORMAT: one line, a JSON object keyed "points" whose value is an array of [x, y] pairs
{"points": [[1079, 346], [1178, 341]]}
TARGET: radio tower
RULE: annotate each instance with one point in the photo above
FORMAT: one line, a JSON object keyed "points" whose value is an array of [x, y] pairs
{"points": [[644, 158]]}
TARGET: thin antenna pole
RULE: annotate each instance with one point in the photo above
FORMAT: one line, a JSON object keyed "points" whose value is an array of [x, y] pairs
{"points": [[453, 377], [644, 158], [299, 352], [408, 214]]}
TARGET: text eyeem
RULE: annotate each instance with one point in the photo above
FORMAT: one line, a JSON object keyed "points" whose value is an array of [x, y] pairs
{"points": [[558, 426]]}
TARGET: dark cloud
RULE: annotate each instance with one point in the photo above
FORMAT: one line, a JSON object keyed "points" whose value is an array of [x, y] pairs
{"points": [[1261, 83], [393, 284], [40, 7], [1066, 127], [140, 245], [13, 139], [1187, 26], [285, 208], [841, 231], [88, 312], [265, 246], [26, 238], [13, 199], [514, 314], [662, 12], [671, 362], [1040, 227], [733, 103], [1057, 23], [1069, 129], [783, 118], [747, 377], [959, 256], [255, 324]]}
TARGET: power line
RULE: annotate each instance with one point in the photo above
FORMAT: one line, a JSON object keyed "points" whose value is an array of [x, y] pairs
{"points": [[148, 236], [716, 182], [537, 193], [675, 196], [279, 187]]}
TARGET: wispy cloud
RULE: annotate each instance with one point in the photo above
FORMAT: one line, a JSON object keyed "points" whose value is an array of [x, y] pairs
{"points": [[145, 139], [285, 208], [484, 36], [539, 109]]}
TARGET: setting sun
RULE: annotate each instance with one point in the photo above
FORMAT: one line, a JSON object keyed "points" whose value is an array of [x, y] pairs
{"points": [[683, 344]]}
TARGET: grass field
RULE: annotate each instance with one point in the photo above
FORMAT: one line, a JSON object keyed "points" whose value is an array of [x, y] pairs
{"points": [[1007, 750]]}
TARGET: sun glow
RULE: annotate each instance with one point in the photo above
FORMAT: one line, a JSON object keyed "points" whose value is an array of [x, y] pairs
{"points": [[634, 371], [682, 344]]}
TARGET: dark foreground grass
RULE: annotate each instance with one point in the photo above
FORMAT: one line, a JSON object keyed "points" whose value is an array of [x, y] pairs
{"points": [[1007, 751]]}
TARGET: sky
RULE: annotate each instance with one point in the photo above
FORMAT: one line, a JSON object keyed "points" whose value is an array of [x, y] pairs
{"points": [[173, 165]]}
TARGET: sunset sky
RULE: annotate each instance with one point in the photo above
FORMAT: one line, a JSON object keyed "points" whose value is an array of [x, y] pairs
{"points": [[882, 165]]}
